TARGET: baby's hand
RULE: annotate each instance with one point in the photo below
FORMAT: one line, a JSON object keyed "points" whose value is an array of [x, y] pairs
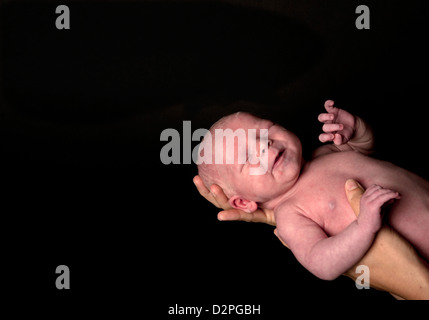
{"points": [[339, 125], [372, 200]]}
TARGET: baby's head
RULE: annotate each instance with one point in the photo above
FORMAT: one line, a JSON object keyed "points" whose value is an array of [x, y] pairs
{"points": [[253, 160]]}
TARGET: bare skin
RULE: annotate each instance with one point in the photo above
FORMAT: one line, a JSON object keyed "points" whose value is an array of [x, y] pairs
{"points": [[394, 265], [322, 231]]}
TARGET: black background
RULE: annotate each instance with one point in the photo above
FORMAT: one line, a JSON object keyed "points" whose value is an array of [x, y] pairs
{"points": [[81, 115]]}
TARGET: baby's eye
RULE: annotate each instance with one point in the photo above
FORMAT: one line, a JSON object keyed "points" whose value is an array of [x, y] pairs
{"points": [[269, 144]]}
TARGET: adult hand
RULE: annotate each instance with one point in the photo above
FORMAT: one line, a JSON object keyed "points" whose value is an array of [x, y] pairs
{"points": [[217, 197]]}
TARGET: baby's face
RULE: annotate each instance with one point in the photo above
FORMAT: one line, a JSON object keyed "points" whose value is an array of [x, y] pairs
{"points": [[281, 153]]}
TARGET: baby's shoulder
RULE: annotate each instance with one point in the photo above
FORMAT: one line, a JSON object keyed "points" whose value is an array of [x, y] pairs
{"points": [[291, 220], [287, 210]]}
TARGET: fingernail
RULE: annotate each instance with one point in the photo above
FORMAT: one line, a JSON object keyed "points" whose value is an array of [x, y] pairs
{"points": [[351, 185]]}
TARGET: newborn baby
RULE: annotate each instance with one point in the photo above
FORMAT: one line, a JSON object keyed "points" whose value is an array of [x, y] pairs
{"points": [[312, 213]]}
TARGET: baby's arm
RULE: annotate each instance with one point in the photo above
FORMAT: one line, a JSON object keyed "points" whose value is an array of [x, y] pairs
{"points": [[346, 131], [329, 257]]}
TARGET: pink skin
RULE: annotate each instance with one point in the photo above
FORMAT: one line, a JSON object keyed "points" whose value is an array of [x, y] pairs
{"points": [[312, 213], [284, 164], [338, 125], [284, 171]]}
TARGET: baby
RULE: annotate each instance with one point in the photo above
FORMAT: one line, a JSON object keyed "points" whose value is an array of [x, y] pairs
{"points": [[312, 213]]}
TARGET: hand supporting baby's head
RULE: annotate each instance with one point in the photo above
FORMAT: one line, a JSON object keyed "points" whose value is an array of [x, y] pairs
{"points": [[252, 159]]}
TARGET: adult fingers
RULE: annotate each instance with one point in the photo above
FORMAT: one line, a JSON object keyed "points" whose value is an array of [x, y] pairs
{"points": [[239, 215], [204, 191], [220, 197]]}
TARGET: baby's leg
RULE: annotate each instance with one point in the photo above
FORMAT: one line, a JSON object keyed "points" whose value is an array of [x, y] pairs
{"points": [[394, 265]]}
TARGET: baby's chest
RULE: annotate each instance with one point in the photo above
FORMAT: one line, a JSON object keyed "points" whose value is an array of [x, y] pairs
{"points": [[324, 201]]}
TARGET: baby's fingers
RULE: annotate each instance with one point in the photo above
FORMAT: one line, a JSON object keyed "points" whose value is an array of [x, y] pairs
{"points": [[386, 196], [325, 137], [329, 106], [378, 196], [332, 127], [326, 117]]}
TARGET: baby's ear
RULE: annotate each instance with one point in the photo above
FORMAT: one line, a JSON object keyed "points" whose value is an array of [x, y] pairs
{"points": [[240, 203]]}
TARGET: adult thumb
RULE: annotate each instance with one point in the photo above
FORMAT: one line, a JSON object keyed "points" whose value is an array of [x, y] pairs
{"points": [[354, 192]]}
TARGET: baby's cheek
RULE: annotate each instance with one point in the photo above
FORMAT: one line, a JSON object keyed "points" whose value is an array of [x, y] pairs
{"points": [[259, 169], [266, 188]]}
